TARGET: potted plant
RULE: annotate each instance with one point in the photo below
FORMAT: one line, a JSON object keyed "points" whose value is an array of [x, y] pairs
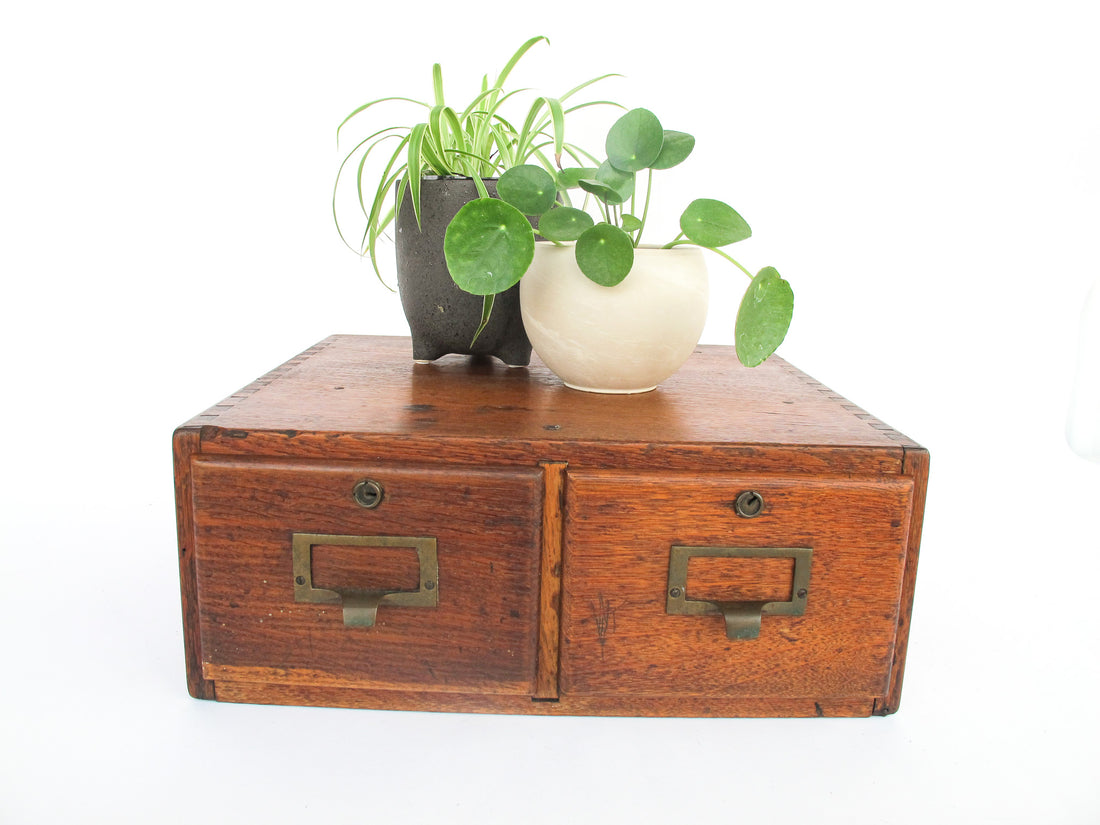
{"points": [[424, 175], [604, 311]]}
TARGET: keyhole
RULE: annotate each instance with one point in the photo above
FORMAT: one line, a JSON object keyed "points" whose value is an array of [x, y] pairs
{"points": [[749, 504], [368, 493]]}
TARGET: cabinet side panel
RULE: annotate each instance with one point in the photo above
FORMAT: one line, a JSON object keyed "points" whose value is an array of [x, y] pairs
{"points": [[185, 444], [916, 465]]}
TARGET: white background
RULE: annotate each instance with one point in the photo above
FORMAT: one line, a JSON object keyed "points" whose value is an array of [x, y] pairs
{"points": [[924, 174]]}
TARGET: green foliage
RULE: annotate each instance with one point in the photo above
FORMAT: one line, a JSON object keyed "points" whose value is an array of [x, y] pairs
{"points": [[564, 224], [764, 316], [674, 150], [488, 246], [635, 141], [490, 242], [477, 141], [604, 251], [712, 223], [605, 254], [530, 189]]}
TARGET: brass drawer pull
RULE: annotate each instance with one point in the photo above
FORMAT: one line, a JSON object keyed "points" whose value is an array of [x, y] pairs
{"points": [[361, 606], [742, 618]]}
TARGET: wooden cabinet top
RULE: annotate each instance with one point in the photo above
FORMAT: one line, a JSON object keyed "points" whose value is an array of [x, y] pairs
{"points": [[362, 398]]}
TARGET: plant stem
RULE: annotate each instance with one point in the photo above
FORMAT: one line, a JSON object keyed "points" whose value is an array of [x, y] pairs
{"points": [[678, 242], [645, 210]]}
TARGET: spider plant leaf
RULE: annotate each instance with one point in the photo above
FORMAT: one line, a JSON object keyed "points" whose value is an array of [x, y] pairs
{"points": [[473, 107], [458, 136], [563, 223], [576, 152], [505, 150], [402, 188], [712, 223], [378, 230], [366, 106], [634, 140], [674, 151], [373, 220], [605, 254], [763, 317], [415, 164], [557, 114], [488, 246], [438, 140], [484, 133], [437, 84], [525, 133], [529, 188], [471, 159], [388, 181], [580, 106], [386, 184], [487, 302], [511, 64], [586, 84], [479, 185], [359, 187]]}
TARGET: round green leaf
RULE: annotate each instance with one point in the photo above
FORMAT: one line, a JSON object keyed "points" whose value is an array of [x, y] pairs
{"points": [[674, 151], [570, 177], [634, 140], [606, 193], [713, 223], [605, 254], [488, 246], [630, 223], [564, 223], [763, 318], [529, 188], [621, 182]]}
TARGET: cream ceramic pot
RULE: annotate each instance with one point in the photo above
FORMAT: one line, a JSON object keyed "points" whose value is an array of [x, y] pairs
{"points": [[622, 339]]}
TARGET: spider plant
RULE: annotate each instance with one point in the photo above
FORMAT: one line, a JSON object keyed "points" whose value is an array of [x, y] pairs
{"points": [[476, 141]]}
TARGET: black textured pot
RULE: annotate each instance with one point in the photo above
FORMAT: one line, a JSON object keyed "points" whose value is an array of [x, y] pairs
{"points": [[442, 318]]}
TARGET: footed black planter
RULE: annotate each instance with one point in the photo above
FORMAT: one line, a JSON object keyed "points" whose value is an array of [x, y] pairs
{"points": [[442, 318]]}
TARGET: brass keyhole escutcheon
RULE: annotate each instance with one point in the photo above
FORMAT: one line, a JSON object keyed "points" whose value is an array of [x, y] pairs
{"points": [[749, 504], [368, 493]]}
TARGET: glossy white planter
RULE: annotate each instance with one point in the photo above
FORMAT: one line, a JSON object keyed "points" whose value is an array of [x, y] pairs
{"points": [[622, 339]]}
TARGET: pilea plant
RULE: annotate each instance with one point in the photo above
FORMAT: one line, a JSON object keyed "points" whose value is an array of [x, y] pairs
{"points": [[476, 141], [490, 243]]}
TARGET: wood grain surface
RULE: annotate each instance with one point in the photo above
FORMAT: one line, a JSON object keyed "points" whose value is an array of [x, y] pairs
{"points": [[653, 706], [482, 634], [618, 638], [554, 513], [362, 397]]}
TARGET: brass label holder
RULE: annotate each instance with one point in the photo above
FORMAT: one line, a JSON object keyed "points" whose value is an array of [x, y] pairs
{"points": [[361, 606], [742, 618]]}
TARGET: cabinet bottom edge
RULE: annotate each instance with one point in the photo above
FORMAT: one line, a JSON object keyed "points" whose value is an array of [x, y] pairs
{"points": [[602, 705]]}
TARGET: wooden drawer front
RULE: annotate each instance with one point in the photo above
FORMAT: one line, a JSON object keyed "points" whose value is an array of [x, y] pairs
{"points": [[617, 633], [480, 633]]}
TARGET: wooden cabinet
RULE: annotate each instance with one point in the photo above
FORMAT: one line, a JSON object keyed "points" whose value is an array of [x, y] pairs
{"points": [[357, 530]]}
